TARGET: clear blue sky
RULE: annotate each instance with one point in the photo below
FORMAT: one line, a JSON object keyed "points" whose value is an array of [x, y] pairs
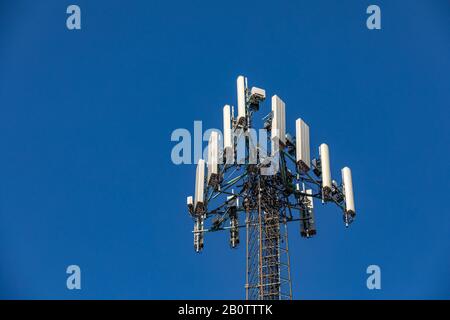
{"points": [[86, 117]]}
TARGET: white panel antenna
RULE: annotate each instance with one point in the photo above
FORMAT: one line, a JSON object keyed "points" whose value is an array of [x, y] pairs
{"points": [[302, 145], [348, 191], [228, 146], [199, 187], [326, 169], [278, 122], [241, 80], [213, 159]]}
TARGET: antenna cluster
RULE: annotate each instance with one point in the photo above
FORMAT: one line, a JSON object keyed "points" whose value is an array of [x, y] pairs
{"points": [[246, 186]]}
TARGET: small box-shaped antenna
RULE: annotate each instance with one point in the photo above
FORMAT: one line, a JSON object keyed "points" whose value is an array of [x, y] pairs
{"points": [[326, 169], [213, 159], [190, 204], [241, 101], [232, 201], [228, 148], [302, 145], [199, 187], [278, 121], [348, 191], [257, 95]]}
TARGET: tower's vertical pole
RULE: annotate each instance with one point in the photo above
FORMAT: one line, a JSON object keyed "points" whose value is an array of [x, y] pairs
{"points": [[261, 253], [247, 257], [288, 259]]}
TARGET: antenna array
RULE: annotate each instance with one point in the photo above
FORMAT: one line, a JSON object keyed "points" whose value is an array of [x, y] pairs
{"points": [[248, 187]]}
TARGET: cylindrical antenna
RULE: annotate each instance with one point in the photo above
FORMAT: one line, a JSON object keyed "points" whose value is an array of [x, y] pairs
{"points": [[213, 159], [348, 191], [302, 145], [199, 187]]}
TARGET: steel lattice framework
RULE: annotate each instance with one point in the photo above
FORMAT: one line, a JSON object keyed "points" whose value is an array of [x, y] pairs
{"points": [[239, 193]]}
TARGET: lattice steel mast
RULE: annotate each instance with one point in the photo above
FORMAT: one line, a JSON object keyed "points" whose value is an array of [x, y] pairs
{"points": [[247, 188]]}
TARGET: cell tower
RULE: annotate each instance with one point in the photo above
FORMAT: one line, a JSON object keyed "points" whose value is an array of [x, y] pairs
{"points": [[249, 186]]}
